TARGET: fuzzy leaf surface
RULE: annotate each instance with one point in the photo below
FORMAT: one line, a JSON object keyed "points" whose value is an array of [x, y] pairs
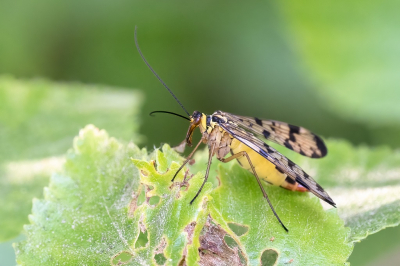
{"points": [[83, 219], [363, 181], [38, 120], [98, 211]]}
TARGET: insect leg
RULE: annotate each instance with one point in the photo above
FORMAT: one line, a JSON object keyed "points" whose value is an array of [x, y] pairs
{"points": [[188, 159], [210, 155], [243, 153]]}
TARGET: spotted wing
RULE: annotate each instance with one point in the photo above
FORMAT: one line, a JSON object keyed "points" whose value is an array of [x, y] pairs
{"points": [[282, 163], [292, 137]]}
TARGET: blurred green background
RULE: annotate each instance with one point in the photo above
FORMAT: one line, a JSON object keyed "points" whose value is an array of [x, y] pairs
{"points": [[328, 66]]}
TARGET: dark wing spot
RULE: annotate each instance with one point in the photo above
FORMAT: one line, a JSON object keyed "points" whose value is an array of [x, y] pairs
{"points": [[321, 146], [266, 134], [301, 182], [315, 155], [306, 176], [319, 188], [291, 164], [279, 169], [269, 150], [292, 137], [287, 145], [258, 121], [290, 180], [294, 129], [302, 153]]}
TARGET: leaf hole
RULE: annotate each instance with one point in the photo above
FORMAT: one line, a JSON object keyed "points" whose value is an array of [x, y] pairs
{"points": [[218, 248], [154, 164], [153, 201], [230, 241], [234, 245], [142, 240], [189, 229], [243, 260], [144, 173], [121, 258], [182, 261], [238, 229], [211, 222], [160, 259], [138, 198], [269, 257]]}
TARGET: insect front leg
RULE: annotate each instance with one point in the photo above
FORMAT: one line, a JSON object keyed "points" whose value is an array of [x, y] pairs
{"points": [[210, 155], [187, 160], [241, 154]]}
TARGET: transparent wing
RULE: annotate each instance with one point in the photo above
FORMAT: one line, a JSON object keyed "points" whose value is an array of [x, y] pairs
{"points": [[281, 162], [292, 137]]}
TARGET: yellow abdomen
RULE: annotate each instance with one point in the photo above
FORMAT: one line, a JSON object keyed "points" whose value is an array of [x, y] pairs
{"points": [[265, 169]]}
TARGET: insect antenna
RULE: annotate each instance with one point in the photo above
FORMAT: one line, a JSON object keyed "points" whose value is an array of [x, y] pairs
{"points": [[155, 74], [167, 112]]}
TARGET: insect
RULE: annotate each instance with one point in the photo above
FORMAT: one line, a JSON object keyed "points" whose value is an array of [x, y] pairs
{"points": [[240, 136]]}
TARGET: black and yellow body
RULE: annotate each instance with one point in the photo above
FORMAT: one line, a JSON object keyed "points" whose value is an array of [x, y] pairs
{"points": [[214, 134], [264, 169], [226, 133]]}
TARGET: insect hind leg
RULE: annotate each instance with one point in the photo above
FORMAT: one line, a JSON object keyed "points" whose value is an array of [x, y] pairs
{"points": [[241, 154]]}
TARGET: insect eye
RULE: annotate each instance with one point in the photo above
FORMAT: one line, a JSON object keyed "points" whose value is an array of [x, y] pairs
{"points": [[196, 114], [196, 117]]}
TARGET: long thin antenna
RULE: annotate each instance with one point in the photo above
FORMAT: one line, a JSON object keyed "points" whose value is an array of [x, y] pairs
{"points": [[167, 112], [152, 70]]}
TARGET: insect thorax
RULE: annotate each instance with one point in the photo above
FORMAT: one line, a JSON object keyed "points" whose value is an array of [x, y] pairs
{"points": [[215, 136]]}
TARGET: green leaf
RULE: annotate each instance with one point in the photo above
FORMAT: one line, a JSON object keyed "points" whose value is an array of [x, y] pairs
{"points": [[95, 212], [316, 237], [92, 214], [38, 120], [83, 217], [351, 50]]}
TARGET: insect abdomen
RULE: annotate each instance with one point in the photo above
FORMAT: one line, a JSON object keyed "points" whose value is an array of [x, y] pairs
{"points": [[265, 169]]}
